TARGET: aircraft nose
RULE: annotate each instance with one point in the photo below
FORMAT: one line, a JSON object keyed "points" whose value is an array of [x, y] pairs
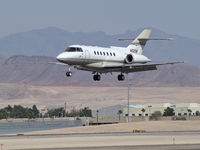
{"points": [[59, 57]]}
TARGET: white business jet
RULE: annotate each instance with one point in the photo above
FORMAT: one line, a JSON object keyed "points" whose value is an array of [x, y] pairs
{"points": [[114, 59]]}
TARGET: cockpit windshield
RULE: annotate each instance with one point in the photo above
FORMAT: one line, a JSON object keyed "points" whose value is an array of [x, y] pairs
{"points": [[73, 49]]}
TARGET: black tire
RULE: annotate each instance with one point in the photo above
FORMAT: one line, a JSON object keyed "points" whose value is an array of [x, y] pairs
{"points": [[69, 74], [95, 78], [98, 77], [121, 77]]}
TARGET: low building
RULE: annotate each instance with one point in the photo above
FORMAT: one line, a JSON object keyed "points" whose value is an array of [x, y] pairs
{"points": [[180, 109], [187, 109], [135, 110]]}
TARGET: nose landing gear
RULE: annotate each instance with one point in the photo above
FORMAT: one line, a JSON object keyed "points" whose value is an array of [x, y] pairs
{"points": [[69, 74], [121, 77]]}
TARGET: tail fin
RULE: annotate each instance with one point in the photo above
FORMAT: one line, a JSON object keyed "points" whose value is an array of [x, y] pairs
{"points": [[138, 43]]}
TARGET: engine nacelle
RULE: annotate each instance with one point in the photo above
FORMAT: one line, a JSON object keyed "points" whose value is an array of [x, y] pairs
{"points": [[129, 59]]}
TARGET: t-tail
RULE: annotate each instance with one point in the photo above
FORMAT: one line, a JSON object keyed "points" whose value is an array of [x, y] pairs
{"points": [[138, 43]]}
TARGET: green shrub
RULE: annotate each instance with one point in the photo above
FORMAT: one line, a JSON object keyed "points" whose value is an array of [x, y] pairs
{"points": [[169, 112]]}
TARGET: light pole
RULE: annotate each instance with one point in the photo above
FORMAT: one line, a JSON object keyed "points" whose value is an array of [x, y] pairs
{"points": [[129, 82], [97, 117]]}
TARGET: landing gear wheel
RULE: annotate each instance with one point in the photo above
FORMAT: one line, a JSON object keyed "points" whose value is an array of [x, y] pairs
{"points": [[69, 74], [97, 77], [121, 77]]}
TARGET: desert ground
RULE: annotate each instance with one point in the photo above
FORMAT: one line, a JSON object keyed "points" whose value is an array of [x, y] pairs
{"points": [[188, 134], [148, 126], [92, 96]]}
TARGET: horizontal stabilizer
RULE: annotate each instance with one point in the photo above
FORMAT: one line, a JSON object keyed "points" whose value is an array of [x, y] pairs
{"points": [[147, 39]]}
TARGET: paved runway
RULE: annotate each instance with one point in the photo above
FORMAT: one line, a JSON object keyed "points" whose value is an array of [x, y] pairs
{"points": [[187, 140], [147, 147], [108, 134]]}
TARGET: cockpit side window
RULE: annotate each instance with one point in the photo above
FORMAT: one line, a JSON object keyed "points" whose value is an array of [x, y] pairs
{"points": [[70, 49], [79, 49], [73, 49]]}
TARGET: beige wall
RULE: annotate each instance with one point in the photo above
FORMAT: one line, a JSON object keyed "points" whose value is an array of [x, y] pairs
{"points": [[179, 109]]}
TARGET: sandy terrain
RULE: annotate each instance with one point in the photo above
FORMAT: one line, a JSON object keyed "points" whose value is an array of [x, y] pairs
{"points": [[128, 127], [94, 97]]}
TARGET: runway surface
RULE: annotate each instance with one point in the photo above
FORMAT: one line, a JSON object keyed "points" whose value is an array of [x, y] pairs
{"points": [[107, 134], [147, 147], [187, 140]]}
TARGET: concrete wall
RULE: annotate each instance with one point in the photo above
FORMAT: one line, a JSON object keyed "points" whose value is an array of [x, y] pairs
{"points": [[180, 109], [132, 119]]}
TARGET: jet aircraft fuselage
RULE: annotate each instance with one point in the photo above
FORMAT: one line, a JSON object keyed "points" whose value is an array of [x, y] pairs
{"points": [[113, 59]]}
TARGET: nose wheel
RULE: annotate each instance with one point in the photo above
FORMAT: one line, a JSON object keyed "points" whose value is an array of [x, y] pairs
{"points": [[69, 74], [121, 77], [97, 77]]}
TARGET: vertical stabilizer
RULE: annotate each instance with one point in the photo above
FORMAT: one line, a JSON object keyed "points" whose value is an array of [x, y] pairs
{"points": [[138, 43]]}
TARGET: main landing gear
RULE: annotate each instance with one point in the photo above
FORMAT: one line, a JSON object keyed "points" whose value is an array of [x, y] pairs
{"points": [[121, 77], [97, 77]]}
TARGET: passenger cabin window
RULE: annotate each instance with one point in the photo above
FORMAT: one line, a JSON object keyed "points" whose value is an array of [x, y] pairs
{"points": [[110, 54], [73, 49], [101, 53], [95, 52], [107, 54], [104, 53], [114, 54]]}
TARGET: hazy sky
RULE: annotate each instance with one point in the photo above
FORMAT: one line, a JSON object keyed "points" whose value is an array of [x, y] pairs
{"points": [[112, 16]]}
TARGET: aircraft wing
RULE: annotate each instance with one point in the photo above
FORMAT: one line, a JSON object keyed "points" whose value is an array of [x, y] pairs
{"points": [[57, 63], [104, 67], [137, 67]]}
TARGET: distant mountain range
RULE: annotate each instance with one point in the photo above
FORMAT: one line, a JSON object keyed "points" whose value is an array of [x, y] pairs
{"points": [[51, 41], [1, 59], [36, 70]]}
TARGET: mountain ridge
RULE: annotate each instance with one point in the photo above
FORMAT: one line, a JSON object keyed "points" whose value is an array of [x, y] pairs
{"points": [[51, 41], [37, 70]]}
